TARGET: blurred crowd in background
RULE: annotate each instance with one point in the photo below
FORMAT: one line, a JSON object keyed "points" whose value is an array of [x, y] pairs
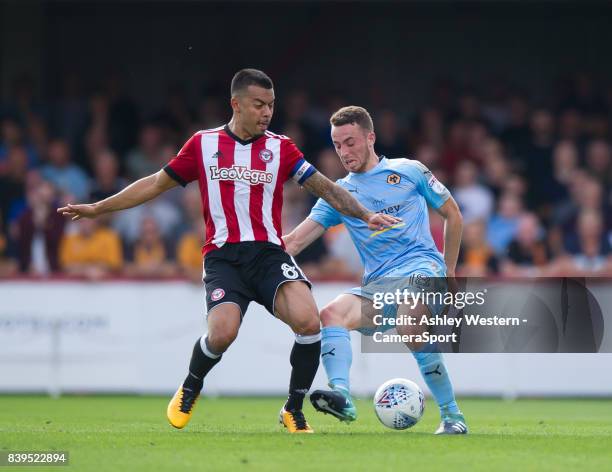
{"points": [[532, 177]]}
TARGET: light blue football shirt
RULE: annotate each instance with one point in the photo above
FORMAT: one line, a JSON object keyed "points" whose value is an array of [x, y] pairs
{"points": [[401, 188]]}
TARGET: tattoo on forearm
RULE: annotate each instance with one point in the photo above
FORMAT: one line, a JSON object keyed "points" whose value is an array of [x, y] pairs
{"points": [[335, 195]]}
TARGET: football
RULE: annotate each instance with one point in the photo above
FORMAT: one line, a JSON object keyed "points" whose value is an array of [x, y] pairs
{"points": [[399, 403]]}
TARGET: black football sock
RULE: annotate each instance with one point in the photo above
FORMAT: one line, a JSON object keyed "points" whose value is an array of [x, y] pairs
{"points": [[200, 364], [305, 362]]}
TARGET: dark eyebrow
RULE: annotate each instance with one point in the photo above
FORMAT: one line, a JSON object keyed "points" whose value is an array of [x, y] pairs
{"points": [[337, 142], [262, 102]]}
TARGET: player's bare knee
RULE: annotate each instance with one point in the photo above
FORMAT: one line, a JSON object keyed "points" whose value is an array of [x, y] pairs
{"points": [[306, 326], [331, 316], [220, 340]]}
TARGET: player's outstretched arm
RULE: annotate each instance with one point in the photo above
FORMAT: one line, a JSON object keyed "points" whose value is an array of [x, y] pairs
{"points": [[134, 194], [302, 236], [342, 200], [453, 227]]}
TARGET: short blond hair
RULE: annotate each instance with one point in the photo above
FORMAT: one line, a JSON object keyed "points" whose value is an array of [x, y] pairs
{"points": [[352, 115]]}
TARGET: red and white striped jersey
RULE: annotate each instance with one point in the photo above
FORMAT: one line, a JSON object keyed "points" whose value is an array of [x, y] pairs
{"points": [[241, 182]]}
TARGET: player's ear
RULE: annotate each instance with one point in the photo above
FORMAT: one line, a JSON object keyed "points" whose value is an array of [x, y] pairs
{"points": [[235, 104], [371, 138]]}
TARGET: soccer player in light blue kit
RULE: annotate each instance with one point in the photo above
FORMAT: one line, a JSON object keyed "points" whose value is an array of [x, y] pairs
{"points": [[406, 251]]}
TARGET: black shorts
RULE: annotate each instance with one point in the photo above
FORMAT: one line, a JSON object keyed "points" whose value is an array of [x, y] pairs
{"points": [[249, 271]]}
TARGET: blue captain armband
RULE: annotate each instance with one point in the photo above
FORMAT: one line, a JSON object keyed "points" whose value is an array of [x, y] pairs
{"points": [[301, 171]]}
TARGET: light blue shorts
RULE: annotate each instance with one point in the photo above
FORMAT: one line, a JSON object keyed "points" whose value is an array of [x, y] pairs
{"points": [[415, 281]]}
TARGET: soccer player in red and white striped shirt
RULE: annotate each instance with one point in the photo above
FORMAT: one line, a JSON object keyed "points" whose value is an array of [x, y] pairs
{"points": [[241, 168]]}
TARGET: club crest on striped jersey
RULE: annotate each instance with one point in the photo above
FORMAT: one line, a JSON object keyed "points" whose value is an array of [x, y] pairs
{"points": [[266, 155], [217, 294]]}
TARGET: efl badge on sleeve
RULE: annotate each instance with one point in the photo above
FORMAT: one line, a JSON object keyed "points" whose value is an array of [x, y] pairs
{"points": [[436, 186]]}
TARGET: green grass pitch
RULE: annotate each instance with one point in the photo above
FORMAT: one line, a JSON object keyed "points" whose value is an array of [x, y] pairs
{"points": [[130, 433]]}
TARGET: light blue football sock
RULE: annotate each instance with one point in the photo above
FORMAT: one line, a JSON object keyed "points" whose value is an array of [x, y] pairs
{"points": [[433, 369], [337, 356]]}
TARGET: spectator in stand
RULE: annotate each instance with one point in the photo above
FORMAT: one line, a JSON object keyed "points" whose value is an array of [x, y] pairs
{"points": [[565, 164], [296, 205], [70, 110], [38, 231], [22, 103], [589, 201], [163, 209], [191, 204], [67, 177], [516, 185], [95, 137], [474, 199], [476, 257], [389, 139], [468, 107], [586, 194], [503, 226], [429, 156], [442, 96], [189, 251], [494, 109], [496, 166], [95, 141], [147, 158], [477, 138], [176, 112], [430, 129], [516, 135], [38, 138], [582, 94], [537, 155], [599, 161], [12, 185], [456, 146], [150, 253], [341, 260], [8, 266], [593, 257], [490, 149], [189, 247], [330, 165], [91, 251], [106, 171], [12, 135], [297, 135], [527, 253], [294, 117], [597, 125], [211, 112], [570, 126], [122, 114]]}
